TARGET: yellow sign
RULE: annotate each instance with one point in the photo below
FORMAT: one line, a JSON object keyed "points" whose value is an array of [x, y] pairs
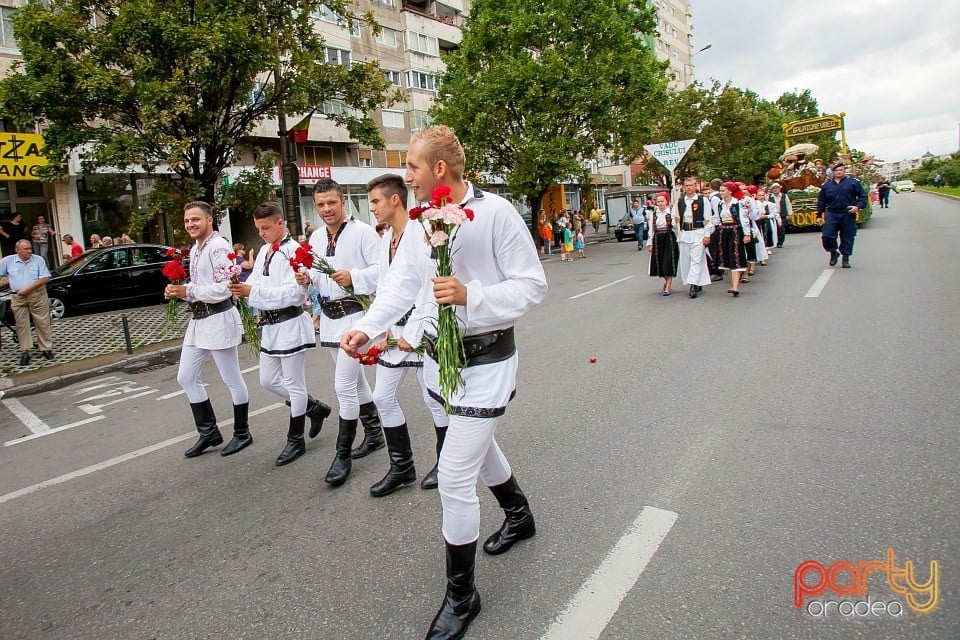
{"points": [[21, 155], [554, 200], [811, 126]]}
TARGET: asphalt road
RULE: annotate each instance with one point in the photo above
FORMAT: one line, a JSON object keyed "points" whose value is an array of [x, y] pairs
{"points": [[677, 482]]}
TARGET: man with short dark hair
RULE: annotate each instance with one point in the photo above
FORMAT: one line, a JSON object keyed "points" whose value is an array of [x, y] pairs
{"points": [[28, 275], [838, 207], [75, 248]]}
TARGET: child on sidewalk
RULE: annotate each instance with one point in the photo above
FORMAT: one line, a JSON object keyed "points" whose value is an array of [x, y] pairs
{"points": [[567, 244], [578, 243]]}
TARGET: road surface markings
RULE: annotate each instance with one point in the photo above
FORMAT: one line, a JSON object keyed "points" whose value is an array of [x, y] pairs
{"points": [[249, 369], [601, 288], [27, 417], [819, 284], [79, 423], [92, 409], [106, 464], [590, 611], [99, 383]]}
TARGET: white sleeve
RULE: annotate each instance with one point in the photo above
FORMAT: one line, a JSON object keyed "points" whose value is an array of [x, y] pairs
{"points": [[212, 291], [364, 279]]}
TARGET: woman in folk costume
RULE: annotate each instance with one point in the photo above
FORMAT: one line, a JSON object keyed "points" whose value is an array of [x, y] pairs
{"points": [[769, 220], [663, 247], [735, 233]]}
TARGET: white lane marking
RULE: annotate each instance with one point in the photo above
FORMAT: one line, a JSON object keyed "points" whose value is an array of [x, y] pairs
{"points": [[600, 288], [27, 417], [106, 464], [79, 423], [126, 387], [817, 288], [103, 382], [249, 369], [590, 611], [92, 409]]}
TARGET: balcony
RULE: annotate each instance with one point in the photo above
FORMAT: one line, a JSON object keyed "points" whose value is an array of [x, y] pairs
{"points": [[442, 19]]}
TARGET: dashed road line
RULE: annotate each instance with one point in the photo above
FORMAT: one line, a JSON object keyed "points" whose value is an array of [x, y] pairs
{"points": [[601, 288], [34, 436], [818, 285]]}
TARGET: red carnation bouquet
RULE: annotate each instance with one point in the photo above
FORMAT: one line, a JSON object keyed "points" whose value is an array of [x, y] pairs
{"points": [[176, 274], [305, 258], [372, 355], [441, 220]]}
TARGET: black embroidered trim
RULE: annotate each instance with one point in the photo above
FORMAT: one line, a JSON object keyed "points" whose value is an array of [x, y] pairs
{"points": [[473, 412], [334, 345], [287, 352], [402, 363]]}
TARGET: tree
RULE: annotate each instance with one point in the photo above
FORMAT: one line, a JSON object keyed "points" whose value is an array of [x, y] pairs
{"points": [[798, 106], [176, 84], [536, 87]]}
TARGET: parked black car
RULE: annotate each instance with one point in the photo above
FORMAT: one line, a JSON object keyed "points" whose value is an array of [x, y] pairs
{"points": [[125, 275], [625, 229]]}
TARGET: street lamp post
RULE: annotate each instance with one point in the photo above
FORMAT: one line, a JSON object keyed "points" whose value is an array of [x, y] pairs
{"points": [[692, 55]]}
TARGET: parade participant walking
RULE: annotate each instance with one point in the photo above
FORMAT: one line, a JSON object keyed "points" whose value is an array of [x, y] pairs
{"points": [[353, 249], [712, 192], [402, 249], [782, 205], [664, 251], [497, 279], [695, 218], [28, 275], [215, 330], [838, 208], [768, 220], [286, 330], [735, 232]]}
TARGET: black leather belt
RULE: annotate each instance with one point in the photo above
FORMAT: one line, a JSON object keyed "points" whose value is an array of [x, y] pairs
{"points": [[483, 348], [403, 321], [339, 308], [202, 310], [690, 226], [276, 316]]}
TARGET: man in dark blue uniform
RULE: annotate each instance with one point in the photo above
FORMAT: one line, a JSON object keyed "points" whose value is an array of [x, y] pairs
{"points": [[841, 198]]}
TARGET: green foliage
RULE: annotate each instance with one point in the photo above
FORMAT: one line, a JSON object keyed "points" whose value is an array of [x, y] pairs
{"points": [[948, 169], [537, 86], [176, 83], [250, 188], [798, 106]]}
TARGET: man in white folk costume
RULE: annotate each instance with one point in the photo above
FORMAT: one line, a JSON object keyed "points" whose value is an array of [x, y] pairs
{"points": [[214, 331], [287, 331], [352, 248], [695, 216], [497, 279], [403, 250]]}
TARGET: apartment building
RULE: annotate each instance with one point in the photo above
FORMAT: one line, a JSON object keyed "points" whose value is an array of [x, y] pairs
{"points": [[673, 42]]}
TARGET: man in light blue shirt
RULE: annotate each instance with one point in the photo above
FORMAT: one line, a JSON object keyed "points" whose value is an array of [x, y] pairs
{"points": [[28, 275]]}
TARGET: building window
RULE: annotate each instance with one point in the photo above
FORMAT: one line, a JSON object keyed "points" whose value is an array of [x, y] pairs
{"points": [[396, 159], [6, 28], [318, 156], [388, 37], [327, 14], [420, 80], [337, 108], [420, 120], [393, 77], [393, 119], [387, 3], [338, 56], [427, 45], [256, 94], [365, 157]]}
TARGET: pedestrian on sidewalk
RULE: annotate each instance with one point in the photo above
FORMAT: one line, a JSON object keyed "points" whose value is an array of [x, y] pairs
{"points": [[578, 243], [568, 243], [28, 275], [214, 331]]}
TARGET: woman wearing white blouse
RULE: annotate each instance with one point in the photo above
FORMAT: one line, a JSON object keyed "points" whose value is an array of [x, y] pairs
{"points": [[663, 247]]}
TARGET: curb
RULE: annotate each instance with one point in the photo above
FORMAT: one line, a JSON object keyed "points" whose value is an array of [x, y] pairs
{"points": [[942, 195], [109, 363]]}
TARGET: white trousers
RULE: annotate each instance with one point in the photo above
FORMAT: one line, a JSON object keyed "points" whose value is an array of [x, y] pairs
{"points": [[385, 396], [228, 364], [469, 451], [693, 260], [286, 378], [350, 384]]}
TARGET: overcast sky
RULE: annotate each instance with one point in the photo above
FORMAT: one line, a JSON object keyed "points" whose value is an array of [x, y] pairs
{"points": [[893, 66]]}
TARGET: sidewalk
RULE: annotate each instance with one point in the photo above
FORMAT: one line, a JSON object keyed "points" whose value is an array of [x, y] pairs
{"points": [[88, 345]]}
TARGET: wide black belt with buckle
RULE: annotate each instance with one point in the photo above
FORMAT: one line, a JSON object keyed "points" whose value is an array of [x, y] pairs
{"points": [[690, 226], [202, 310], [483, 348], [339, 308], [276, 316], [403, 321]]}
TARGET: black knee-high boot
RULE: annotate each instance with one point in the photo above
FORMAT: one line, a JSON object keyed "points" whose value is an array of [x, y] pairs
{"points": [[317, 411], [372, 431], [461, 602], [295, 446], [342, 463], [402, 473], [206, 422], [518, 525], [430, 480], [241, 430]]}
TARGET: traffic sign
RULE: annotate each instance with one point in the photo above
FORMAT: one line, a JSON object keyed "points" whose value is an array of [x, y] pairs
{"points": [[669, 154]]}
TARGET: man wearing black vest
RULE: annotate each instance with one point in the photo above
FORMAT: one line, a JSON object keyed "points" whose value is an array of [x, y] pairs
{"points": [[782, 202], [696, 226]]}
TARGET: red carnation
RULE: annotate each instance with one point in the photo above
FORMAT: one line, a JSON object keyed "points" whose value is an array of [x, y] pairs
{"points": [[174, 271], [305, 246], [416, 211], [275, 247], [439, 195], [469, 214], [231, 256]]}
